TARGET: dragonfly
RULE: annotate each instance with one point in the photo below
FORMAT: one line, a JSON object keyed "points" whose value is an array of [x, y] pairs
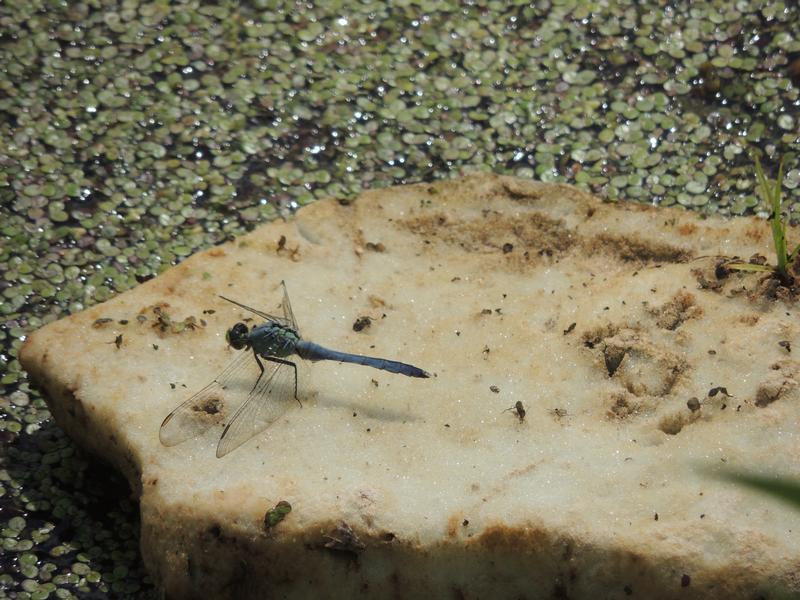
{"points": [[267, 347]]}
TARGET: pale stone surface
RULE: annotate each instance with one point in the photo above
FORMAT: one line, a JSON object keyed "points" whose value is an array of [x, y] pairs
{"points": [[592, 315]]}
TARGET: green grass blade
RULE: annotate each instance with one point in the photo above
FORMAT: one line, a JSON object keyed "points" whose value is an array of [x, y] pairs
{"points": [[777, 202], [793, 255], [749, 267], [782, 488], [771, 195]]}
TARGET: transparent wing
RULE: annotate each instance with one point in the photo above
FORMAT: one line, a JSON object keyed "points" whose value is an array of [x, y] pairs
{"points": [[270, 399], [287, 308], [261, 313], [286, 319], [213, 404]]}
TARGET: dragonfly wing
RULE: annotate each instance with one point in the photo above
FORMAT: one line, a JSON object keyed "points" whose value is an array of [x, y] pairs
{"points": [[211, 405], [260, 313], [287, 308], [270, 399]]}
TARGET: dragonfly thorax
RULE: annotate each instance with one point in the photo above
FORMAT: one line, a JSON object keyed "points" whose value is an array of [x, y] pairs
{"points": [[273, 339]]}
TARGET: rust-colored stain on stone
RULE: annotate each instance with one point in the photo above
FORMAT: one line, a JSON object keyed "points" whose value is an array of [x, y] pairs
{"points": [[638, 249]]}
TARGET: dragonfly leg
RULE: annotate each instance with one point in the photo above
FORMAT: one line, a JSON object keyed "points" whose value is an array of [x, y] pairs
{"points": [[260, 366], [291, 364]]}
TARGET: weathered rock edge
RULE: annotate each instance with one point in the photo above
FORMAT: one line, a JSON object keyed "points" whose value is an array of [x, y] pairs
{"points": [[190, 550]]}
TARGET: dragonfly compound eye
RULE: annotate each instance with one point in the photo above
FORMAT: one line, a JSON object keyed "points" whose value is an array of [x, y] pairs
{"points": [[237, 336]]}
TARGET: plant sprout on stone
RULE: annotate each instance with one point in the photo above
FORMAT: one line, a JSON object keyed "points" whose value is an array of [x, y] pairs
{"points": [[771, 194]]}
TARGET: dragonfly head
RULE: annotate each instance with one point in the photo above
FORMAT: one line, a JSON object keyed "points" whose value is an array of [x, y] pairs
{"points": [[237, 336]]}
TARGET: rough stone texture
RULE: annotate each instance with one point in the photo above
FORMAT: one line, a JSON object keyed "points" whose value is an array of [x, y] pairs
{"points": [[604, 320]]}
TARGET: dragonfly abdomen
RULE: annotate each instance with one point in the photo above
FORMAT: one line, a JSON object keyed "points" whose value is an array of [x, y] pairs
{"points": [[314, 352]]}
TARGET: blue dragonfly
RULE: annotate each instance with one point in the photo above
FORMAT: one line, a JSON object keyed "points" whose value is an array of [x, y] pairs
{"points": [[274, 390]]}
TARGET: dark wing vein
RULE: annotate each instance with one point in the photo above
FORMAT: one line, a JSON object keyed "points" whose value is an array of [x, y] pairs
{"points": [[270, 399], [212, 404], [287, 308], [260, 313]]}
